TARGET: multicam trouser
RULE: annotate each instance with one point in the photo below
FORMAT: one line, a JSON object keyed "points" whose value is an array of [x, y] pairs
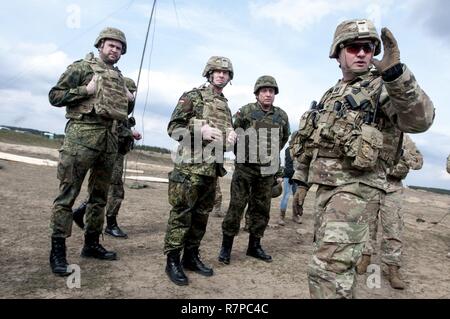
{"points": [[116, 192], [74, 163], [254, 190], [389, 212], [341, 230], [192, 198]]}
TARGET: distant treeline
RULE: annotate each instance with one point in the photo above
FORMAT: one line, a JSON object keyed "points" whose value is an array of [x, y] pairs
{"points": [[33, 131], [152, 149], [432, 190], [15, 132]]}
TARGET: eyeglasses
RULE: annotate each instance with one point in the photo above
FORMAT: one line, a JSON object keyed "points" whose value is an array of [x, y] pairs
{"points": [[355, 48]]}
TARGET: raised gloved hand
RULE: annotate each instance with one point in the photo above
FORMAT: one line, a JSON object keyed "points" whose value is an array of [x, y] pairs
{"points": [[391, 55], [299, 198], [210, 133], [92, 85]]}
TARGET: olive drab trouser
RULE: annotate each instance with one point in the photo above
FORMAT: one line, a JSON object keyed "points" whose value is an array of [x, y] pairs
{"points": [[192, 198], [256, 192], [116, 192], [75, 161]]}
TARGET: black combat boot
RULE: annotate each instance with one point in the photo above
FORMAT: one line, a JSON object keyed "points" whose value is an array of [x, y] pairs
{"points": [[255, 249], [191, 261], [225, 250], [113, 229], [93, 249], [174, 270], [78, 215], [58, 261]]}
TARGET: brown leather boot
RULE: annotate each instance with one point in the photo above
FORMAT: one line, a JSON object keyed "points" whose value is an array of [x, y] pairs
{"points": [[297, 219], [281, 221], [361, 268], [394, 278]]}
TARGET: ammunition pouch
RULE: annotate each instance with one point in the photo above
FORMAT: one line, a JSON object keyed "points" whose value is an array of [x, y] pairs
{"points": [[399, 171], [126, 140], [308, 123], [364, 145], [126, 144]]}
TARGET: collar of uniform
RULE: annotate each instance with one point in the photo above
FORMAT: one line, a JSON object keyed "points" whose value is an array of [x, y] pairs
{"points": [[104, 65], [270, 111], [359, 78], [210, 89]]}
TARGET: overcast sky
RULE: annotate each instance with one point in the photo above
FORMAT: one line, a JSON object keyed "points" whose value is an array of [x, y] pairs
{"points": [[289, 39]]}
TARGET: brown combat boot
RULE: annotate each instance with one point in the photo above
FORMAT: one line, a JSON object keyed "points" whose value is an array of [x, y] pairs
{"points": [[297, 219], [394, 278], [281, 221], [361, 268]]}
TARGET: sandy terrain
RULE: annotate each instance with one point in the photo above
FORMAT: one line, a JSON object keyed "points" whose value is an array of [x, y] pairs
{"points": [[27, 192]]}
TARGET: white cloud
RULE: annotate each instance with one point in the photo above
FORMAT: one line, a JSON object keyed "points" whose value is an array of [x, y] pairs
{"points": [[297, 14], [204, 21], [25, 109], [303, 14], [33, 66]]}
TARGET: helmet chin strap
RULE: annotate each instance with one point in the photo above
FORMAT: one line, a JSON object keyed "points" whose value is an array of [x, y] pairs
{"points": [[359, 72], [354, 72], [210, 80]]}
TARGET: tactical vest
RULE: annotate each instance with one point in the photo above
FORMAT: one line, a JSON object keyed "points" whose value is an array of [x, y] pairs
{"points": [[349, 123], [110, 98], [307, 125], [215, 112], [211, 110], [259, 147]]}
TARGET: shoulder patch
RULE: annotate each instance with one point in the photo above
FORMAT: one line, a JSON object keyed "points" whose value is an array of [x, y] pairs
{"points": [[185, 103]]}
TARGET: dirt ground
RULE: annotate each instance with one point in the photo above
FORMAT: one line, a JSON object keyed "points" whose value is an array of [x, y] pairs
{"points": [[27, 192]]}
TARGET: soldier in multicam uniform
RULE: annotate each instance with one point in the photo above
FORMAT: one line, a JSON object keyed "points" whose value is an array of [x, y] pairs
{"points": [[341, 141], [250, 183], [116, 192], [389, 212], [96, 98], [201, 112]]}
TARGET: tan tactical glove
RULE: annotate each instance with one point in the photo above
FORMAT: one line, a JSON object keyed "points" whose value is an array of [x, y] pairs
{"points": [[391, 55], [297, 203], [210, 133]]}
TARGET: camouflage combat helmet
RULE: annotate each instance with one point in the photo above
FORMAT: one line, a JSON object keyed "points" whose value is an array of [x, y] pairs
{"points": [[218, 63], [350, 30], [277, 189], [112, 33], [266, 81]]}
